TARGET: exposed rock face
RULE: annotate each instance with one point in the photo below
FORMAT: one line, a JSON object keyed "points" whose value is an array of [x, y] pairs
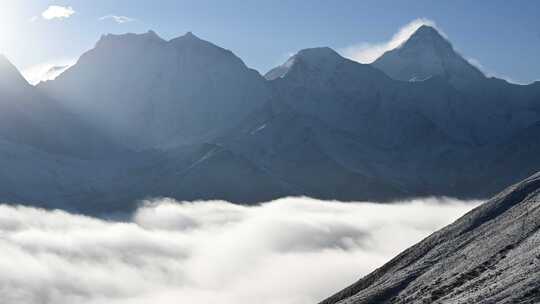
{"points": [[490, 255]]}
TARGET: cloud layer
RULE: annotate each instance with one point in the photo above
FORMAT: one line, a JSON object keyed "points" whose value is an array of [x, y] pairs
{"points": [[57, 12], [291, 251], [367, 52]]}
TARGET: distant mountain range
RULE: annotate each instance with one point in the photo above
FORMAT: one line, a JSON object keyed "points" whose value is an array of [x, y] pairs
{"points": [[138, 116], [490, 255]]}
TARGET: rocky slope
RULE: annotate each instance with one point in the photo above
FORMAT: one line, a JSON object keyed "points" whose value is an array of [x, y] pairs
{"points": [[490, 255]]}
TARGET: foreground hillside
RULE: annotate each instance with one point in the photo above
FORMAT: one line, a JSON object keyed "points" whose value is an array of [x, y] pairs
{"points": [[490, 255]]}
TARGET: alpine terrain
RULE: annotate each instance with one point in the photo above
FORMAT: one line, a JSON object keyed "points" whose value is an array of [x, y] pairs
{"points": [[490, 255], [138, 116]]}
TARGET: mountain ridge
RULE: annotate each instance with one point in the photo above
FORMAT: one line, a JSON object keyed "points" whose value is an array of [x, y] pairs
{"points": [[159, 93], [325, 127]]}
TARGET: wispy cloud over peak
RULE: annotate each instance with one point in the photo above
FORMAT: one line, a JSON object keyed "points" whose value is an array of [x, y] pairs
{"points": [[367, 52], [117, 18], [57, 12]]}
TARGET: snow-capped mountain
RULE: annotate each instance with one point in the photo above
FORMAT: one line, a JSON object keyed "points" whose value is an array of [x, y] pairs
{"points": [[324, 59], [408, 138], [490, 255], [428, 54], [494, 109], [152, 93], [187, 119]]}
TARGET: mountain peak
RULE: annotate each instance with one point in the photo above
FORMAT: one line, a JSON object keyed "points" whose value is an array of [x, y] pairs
{"points": [[426, 54], [129, 38], [190, 41], [427, 30], [318, 53], [151, 35], [190, 35], [428, 37], [187, 37], [321, 57], [159, 93]]}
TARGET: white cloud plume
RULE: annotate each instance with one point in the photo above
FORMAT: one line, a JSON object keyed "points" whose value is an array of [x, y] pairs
{"points": [[46, 71], [367, 52], [57, 12], [291, 251], [117, 19]]}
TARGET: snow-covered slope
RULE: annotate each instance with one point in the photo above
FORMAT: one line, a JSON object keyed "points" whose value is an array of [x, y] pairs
{"points": [[490, 255], [427, 54], [152, 93]]}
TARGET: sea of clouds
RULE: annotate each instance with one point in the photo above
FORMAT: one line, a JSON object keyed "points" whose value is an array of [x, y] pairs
{"points": [[290, 251]]}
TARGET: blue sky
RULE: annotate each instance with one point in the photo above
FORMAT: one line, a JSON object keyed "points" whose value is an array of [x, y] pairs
{"points": [[501, 36]]}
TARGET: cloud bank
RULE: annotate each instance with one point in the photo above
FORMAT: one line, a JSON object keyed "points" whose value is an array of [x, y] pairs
{"points": [[117, 19], [291, 251], [367, 52], [57, 12]]}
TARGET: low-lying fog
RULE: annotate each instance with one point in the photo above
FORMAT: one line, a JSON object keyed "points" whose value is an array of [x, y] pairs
{"points": [[290, 251]]}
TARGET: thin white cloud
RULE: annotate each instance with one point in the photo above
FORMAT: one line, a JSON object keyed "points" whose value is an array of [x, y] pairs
{"points": [[57, 12], [117, 19], [291, 251], [367, 52], [33, 18], [46, 71]]}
